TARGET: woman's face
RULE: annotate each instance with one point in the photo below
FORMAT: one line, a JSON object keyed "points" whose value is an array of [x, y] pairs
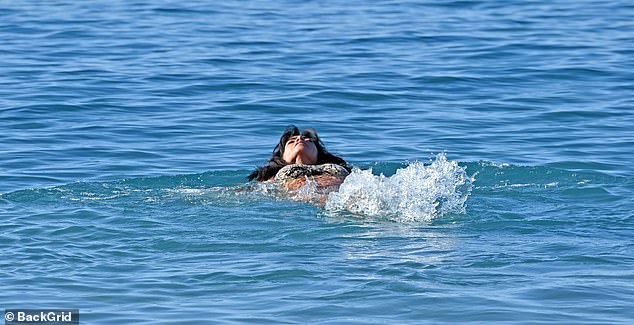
{"points": [[300, 149]]}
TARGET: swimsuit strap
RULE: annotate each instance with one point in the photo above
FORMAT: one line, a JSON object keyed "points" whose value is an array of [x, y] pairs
{"points": [[297, 171]]}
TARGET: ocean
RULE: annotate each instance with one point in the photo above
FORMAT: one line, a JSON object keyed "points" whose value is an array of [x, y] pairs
{"points": [[491, 142]]}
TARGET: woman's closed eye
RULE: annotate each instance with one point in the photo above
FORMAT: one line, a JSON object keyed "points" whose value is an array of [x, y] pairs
{"points": [[295, 138]]}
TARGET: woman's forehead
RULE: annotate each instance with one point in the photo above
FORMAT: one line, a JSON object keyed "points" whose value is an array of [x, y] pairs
{"points": [[293, 133], [310, 133]]}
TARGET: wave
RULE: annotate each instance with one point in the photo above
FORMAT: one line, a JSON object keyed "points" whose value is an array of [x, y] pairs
{"points": [[418, 192]]}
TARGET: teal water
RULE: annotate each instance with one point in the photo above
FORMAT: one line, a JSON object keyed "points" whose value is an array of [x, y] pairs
{"points": [[128, 130]]}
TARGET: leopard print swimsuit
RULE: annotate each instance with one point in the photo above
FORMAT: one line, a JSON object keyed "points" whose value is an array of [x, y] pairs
{"points": [[298, 170]]}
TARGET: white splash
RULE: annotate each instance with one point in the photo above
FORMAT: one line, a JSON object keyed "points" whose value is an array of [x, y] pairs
{"points": [[417, 192]]}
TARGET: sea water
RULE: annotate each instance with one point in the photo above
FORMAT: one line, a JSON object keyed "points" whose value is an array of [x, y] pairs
{"points": [[491, 143]]}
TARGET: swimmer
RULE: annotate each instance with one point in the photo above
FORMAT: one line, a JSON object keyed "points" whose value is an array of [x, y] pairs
{"points": [[301, 157]]}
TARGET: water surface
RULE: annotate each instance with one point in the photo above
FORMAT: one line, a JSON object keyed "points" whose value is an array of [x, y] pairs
{"points": [[128, 130]]}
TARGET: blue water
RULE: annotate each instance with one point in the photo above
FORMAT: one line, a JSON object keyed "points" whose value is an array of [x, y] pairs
{"points": [[492, 139]]}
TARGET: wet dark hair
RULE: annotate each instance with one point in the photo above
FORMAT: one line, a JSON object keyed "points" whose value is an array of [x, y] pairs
{"points": [[276, 162]]}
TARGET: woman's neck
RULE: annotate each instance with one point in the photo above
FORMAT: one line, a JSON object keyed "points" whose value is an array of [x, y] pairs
{"points": [[304, 160]]}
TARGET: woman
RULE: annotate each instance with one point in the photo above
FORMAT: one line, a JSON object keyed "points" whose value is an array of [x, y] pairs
{"points": [[300, 157]]}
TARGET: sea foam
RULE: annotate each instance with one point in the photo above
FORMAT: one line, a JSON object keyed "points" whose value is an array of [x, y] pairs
{"points": [[418, 192]]}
